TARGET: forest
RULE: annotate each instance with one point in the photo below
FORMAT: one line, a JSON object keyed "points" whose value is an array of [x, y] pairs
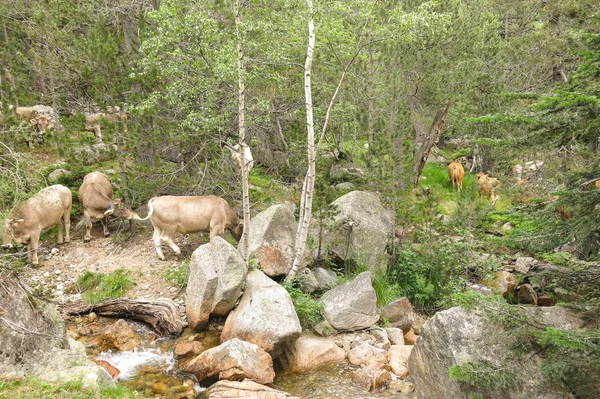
{"points": [[333, 97]]}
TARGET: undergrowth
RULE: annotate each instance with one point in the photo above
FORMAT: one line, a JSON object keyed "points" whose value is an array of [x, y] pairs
{"points": [[97, 287], [307, 307], [31, 388]]}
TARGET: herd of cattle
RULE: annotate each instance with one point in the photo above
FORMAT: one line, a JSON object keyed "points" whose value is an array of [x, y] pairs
{"points": [[489, 186], [168, 214], [42, 118]]}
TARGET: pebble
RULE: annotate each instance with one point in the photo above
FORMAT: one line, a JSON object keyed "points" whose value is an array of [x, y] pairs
{"points": [[54, 251], [57, 272], [47, 274], [173, 289], [59, 293]]}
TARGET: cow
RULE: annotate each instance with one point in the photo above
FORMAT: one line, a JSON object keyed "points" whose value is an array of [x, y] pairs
{"points": [[49, 207], [456, 174], [488, 186], [93, 121], [236, 154], [526, 170], [96, 198], [39, 122], [188, 214]]}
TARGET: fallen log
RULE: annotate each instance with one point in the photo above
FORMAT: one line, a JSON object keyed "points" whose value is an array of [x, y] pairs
{"points": [[161, 314]]}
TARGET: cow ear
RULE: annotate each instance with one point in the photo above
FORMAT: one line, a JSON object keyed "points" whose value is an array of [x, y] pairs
{"points": [[109, 212], [16, 222], [33, 121]]}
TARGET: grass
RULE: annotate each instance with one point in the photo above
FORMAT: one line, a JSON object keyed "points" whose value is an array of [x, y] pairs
{"points": [[30, 388], [97, 287], [307, 308], [178, 277]]}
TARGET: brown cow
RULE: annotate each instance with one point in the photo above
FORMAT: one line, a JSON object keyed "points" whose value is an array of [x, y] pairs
{"points": [[488, 186], [171, 214], [49, 207], [96, 197], [93, 121], [39, 122], [456, 174]]}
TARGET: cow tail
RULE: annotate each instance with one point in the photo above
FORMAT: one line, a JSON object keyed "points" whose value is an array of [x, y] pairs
{"points": [[150, 212]]}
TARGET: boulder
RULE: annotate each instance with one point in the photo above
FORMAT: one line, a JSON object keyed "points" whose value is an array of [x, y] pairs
{"points": [[95, 153], [523, 264], [382, 340], [233, 360], [119, 336], [246, 389], [307, 281], [353, 305], [372, 378], [366, 353], [56, 174], [217, 273], [504, 282], [264, 316], [325, 278], [272, 239], [457, 336], [358, 231], [310, 353], [395, 335], [348, 171], [399, 314], [527, 295], [187, 348], [399, 355], [324, 329], [345, 186]]}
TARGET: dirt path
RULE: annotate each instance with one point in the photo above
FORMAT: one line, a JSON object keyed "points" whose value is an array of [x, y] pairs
{"points": [[61, 265]]}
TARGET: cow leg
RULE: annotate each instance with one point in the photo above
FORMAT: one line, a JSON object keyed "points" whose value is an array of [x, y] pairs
{"points": [[217, 230], [104, 221], [157, 243], [98, 133], [59, 227], [32, 248], [88, 225], [167, 236], [67, 223]]}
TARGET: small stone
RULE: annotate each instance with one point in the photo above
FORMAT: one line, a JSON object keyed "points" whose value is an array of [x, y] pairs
{"points": [[410, 337], [47, 274], [92, 317], [402, 386], [59, 293], [57, 272], [53, 251], [172, 289]]}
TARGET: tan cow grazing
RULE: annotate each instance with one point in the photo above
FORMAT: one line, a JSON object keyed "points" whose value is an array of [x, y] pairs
{"points": [[49, 207], [456, 173], [96, 198], [171, 214], [93, 121], [39, 122], [488, 186]]}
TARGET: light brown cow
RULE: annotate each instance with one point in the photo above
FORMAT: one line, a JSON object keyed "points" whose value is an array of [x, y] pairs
{"points": [[93, 121], [96, 197], [49, 207], [171, 214], [236, 154], [456, 173], [39, 122], [488, 186]]}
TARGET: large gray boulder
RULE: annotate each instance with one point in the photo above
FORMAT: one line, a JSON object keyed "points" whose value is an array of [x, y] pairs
{"points": [[33, 342], [95, 153], [457, 336], [233, 360], [217, 273], [264, 316], [359, 230], [352, 306], [272, 239]]}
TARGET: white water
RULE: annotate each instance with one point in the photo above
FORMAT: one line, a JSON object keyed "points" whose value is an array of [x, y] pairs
{"points": [[128, 362]]}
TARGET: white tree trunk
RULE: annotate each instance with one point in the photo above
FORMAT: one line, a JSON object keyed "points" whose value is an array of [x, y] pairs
{"points": [[309, 182], [242, 131]]}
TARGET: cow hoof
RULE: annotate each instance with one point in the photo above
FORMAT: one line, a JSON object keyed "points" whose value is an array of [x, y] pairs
{"points": [[86, 240], [107, 235]]}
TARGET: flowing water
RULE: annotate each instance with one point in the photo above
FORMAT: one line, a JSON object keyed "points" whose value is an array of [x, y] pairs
{"points": [[152, 370]]}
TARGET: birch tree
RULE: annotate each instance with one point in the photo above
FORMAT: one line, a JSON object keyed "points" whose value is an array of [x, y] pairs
{"points": [[242, 129], [309, 180]]}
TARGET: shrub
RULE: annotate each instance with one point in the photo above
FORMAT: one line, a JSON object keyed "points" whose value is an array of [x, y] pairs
{"points": [[307, 307]]}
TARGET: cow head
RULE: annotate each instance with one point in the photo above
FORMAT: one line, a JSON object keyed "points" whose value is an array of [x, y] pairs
{"points": [[237, 230], [41, 123], [14, 232]]}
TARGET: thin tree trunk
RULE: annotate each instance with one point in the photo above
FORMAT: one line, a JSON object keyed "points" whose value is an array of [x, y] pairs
{"points": [[309, 182], [430, 140], [57, 125], [370, 101], [242, 131]]}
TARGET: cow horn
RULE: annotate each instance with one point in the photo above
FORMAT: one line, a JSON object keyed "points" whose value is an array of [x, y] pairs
{"points": [[109, 212]]}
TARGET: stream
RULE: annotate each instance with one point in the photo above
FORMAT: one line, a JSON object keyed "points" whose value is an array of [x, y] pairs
{"points": [[153, 371]]}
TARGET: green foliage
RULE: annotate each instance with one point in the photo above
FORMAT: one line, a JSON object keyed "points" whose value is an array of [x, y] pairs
{"points": [[178, 277], [483, 375], [307, 307], [385, 290], [97, 287], [30, 388]]}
